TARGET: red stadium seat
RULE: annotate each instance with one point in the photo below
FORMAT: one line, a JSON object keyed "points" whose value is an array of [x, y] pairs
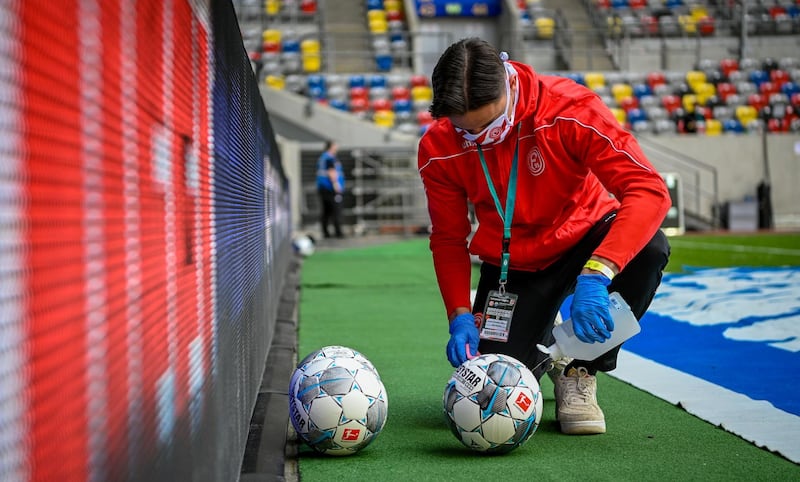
{"points": [[728, 65], [725, 90], [401, 92], [768, 88], [418, 80], [706, 26], [779, 77], [359, 93], [424, 117], [758, 101], [656, 78], [670, 103]]}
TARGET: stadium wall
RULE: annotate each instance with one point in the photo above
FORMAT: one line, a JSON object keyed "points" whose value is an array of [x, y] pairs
{"points": [[145, 234]]}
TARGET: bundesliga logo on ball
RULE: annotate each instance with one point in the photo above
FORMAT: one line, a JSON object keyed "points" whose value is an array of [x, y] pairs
{"points": [[492, 403], [337, 402]]}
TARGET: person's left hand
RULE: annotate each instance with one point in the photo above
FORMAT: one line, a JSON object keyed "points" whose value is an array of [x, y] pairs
{"points": [[591, 319]]}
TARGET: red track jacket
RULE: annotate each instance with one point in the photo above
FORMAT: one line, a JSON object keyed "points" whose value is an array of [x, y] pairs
{"points": [[572, 154]]}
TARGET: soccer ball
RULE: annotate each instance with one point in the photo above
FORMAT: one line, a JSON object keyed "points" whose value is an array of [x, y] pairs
{"points": [[492, 403], [337, 402], [303, 245], [338, 351]]}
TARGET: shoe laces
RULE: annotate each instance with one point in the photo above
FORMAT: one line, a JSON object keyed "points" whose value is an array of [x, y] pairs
{"points": [[582, 390]]}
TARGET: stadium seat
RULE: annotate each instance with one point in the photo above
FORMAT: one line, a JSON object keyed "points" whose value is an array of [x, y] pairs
{"points": [[359, 93], [381, 104], [308, 7], [732, 126], [620, 115], [418, 80], [745, 114], [670, 103], [544, 28], [757, 101], [768, 88], [358, 105], [424, 117], [758, 77], [594, 80], [656, 78], [704, 92], [621, 91], [724, 90], [379, 93], [377, 80], [276, 81], [421, 93], [402, 105], [713, 127], [272, 7], [384, 62], [577, 77], [338, 104], [628, 103], [401, 92], [384, 118], [728, 65]]}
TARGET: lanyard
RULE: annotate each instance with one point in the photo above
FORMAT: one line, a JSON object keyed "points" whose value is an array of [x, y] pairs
{"points": [[507, 214]]}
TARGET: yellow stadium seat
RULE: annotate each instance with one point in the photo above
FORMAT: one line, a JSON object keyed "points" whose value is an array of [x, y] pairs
{"points": [[310, 46], [378, 26], [312, 62], [621, 91], [271, 35], [704, 91], [698, 11], [544, 27], [695, 77], [594, 80], [421, 93], [620, 115], [688, 102], [393, 5], [713, 127], [273, 7], [384, 118], [275, 81], [379, 15], [688, 23], [746, 114]]}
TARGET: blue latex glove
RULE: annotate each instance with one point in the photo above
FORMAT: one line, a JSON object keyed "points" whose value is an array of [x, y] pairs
{"points": [[462, 332], [591, 320]]}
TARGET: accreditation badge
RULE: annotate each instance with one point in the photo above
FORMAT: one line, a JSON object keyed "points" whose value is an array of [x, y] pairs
{"points": [[497, 315]]}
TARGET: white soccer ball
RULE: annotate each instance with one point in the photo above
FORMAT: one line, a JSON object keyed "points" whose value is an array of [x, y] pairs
{"points": [[303, 245], [337, 402], [493, 403]]}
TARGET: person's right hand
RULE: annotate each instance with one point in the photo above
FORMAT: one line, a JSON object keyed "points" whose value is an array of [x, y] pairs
{"points": [[462, 332]]}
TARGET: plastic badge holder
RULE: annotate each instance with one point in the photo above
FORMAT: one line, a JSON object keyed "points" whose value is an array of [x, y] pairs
{"points": [[568, 345]]}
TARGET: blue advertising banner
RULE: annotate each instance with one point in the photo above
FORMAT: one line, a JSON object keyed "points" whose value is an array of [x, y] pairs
{"points": [[458, 8]]}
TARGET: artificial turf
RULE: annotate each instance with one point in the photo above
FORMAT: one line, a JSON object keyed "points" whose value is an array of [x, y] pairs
{"points": [[383, 301]]}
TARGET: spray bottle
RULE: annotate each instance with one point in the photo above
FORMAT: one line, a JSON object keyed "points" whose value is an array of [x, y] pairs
{"points": [[568, 345]]}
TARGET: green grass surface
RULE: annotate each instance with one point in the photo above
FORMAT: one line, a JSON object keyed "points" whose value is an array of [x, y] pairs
{"points": [[384, 302]]}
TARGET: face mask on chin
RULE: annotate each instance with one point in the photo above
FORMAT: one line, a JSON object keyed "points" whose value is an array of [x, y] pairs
{"points": [[500, 127]]}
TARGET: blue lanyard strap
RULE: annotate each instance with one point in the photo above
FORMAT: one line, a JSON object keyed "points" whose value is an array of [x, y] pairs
{"points": [[508, 214]]}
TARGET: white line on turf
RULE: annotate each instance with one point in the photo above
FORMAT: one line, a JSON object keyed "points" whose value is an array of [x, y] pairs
{"points": [[756, 421], [739, 248]]}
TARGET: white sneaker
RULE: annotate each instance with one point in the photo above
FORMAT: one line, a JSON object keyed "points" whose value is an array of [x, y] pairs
{"points": [[557, 368], [576, 403]]}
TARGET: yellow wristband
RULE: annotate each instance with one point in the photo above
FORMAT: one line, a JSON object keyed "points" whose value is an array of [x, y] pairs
{"points": [[598, 266]]}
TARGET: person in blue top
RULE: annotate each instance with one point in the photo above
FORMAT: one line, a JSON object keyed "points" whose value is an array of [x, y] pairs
{"points": [[330, 186]]}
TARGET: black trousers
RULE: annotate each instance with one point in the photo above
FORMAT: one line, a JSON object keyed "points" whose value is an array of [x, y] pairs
{"points": [[331, 212], [541, 294]]}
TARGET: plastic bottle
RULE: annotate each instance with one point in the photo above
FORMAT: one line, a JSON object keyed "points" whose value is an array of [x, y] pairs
{"points": [[568, 345]]}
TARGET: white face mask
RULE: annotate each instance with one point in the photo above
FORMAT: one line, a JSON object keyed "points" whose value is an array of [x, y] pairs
{"points": [[500, 127]]}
